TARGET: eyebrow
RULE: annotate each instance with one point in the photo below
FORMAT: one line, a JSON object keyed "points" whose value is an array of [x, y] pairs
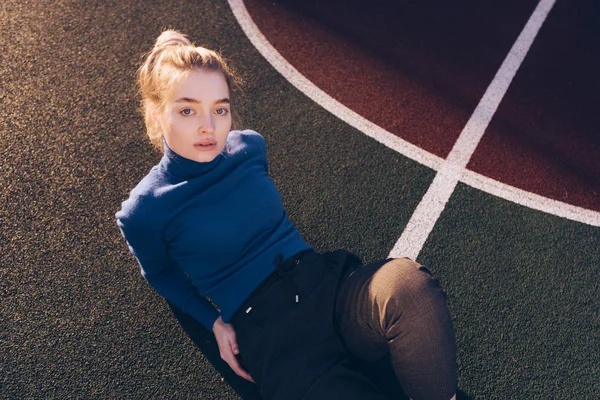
{"points": [[190, 100]]}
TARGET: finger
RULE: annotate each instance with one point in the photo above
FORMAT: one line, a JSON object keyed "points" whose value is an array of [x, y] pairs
{"points": [[234, 347], [237, 368], [233, 342]]}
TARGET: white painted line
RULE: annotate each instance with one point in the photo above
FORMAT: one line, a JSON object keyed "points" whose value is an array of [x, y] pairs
{"points": [[424, 217], [529, 199], [323, 99], [471, 135], [390, 140], [433, 203]]}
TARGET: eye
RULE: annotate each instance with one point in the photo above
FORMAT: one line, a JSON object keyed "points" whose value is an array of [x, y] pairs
{"points": [[222, 111], [186, 111]]}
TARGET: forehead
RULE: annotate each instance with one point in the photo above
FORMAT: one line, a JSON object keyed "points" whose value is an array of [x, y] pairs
{"points": [[200, 84]]}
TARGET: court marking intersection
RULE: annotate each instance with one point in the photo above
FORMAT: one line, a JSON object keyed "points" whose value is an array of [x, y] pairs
{"points": [[451, 170], [433, 203]]}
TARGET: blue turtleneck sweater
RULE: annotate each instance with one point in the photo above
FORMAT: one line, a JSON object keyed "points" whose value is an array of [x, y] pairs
{"points": [[209, 229]]}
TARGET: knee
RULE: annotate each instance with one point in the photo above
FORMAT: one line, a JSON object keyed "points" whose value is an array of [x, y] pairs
{"points": [[403, 287]]}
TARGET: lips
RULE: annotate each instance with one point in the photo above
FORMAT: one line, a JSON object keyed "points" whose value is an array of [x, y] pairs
{"points": [[205, 142], [205, 145]]}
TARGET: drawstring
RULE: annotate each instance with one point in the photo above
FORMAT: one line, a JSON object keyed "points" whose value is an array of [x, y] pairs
{"points": [[283, 271]]}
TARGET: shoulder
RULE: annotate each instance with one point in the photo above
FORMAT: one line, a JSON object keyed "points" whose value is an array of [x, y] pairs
{"points": [[245, 140], [248, 134]]}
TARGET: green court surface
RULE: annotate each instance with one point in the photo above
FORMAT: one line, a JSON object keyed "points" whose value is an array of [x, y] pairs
{"points": [[523, 289], [77, 320]]}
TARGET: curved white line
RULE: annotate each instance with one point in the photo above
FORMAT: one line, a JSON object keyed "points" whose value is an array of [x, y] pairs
{"points": [[400, 145], [529, 199], [323, 99]]}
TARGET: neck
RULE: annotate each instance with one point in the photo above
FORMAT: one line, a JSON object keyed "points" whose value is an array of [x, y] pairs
{"points": [[183, 167]]}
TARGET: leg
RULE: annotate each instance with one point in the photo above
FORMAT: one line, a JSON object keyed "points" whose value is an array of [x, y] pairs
{"points": [[399, 307]]}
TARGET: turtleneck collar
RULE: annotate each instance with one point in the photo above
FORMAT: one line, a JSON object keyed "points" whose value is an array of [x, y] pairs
{"points": [[183, 167]]}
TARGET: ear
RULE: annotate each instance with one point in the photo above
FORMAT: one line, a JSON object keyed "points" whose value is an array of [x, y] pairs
{"points": [[156, 114]]}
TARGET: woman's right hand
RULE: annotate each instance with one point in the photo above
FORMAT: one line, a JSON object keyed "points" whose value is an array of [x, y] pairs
{"points": [[227, 341]]}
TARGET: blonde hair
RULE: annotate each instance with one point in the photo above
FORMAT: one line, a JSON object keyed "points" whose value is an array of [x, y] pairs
{"points": [[172, 56]]}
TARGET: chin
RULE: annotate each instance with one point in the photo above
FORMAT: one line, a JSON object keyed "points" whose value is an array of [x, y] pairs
{"points": [[205, 157]]}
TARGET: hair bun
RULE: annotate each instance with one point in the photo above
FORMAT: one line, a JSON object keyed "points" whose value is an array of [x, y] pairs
{"points": [[171, 38]]}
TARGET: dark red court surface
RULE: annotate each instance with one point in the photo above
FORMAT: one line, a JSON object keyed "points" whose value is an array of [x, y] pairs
{"points": [[419, 69], [545, 137]]}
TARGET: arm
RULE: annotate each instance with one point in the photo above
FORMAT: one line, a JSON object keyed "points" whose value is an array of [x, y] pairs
{"points": [[174, 285], [165, 276]]}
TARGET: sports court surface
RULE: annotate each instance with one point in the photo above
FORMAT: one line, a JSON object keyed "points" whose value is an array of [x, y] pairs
{"points": [[465, 134]]}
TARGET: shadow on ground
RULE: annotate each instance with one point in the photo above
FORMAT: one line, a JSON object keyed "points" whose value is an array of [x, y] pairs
{"points": [[380, 373]]}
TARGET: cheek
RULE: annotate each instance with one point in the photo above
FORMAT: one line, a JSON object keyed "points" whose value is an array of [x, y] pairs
{"points": [[180, 124], [225, 123]]}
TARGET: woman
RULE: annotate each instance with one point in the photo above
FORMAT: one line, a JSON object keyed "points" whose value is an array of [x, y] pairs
{"points": [[208, 222]]}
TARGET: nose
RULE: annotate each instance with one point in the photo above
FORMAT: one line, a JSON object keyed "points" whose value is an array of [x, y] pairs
{"points": [[207, 125]]}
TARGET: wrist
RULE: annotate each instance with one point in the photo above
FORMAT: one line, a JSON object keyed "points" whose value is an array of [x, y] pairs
{"points": [[219, 321]]}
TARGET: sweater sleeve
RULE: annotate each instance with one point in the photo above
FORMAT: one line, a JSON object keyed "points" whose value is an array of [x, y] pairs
{"points": [[165, 276]]}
